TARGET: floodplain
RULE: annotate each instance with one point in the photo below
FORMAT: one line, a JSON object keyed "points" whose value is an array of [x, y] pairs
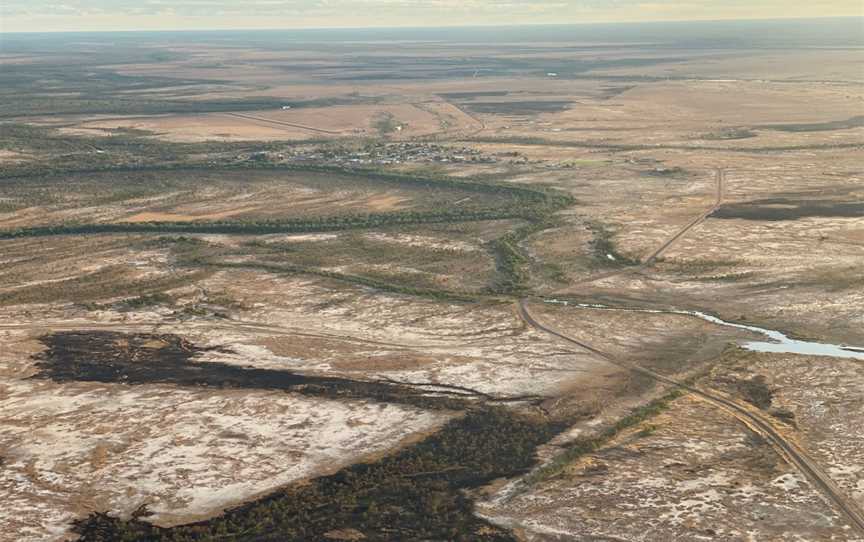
{"points": [[328, 290]]}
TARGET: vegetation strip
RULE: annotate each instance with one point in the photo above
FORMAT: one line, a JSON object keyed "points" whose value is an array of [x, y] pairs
{"points": [[535, 141], [419, 493], [527, 203], [304, 225], [583, 446], [532, 204], [511, 260], [353, 279], [474, 185]]}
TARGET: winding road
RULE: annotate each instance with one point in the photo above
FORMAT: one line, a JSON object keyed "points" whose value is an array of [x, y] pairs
{"points": [[748, 416], [752, 418]]}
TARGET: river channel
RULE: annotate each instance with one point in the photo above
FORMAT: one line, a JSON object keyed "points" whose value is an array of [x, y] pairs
{"points": [[778, 342]]}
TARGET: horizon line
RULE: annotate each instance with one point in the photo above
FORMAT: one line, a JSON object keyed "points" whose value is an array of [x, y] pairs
{"points": [[434, 27]]}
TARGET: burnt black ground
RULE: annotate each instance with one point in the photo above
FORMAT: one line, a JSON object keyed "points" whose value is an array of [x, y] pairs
{"points": [[422, 492], [777, 209]]}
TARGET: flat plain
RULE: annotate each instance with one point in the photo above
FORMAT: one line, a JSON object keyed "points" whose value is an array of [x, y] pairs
{"points": [[439, 291]]}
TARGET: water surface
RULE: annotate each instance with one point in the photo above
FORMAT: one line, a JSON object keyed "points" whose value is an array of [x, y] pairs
{"points": [[777, 342]]}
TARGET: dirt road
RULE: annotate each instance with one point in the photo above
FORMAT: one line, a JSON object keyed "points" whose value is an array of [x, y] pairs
{"points": [[281, 123], [720, 179], [476, 118], [747, 415]]}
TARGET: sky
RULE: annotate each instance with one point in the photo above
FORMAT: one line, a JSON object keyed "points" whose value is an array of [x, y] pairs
{"points": [[72, 15]]}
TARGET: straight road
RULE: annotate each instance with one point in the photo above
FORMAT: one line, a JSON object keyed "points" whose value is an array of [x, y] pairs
{"points": [[752, 418], [720, 180], [281, 123]]}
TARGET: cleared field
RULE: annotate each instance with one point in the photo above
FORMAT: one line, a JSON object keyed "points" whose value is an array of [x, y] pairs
{"points": [[400, 121]]}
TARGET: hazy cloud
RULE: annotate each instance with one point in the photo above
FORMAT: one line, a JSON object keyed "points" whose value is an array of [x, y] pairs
{"points": [[131, 14]]}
